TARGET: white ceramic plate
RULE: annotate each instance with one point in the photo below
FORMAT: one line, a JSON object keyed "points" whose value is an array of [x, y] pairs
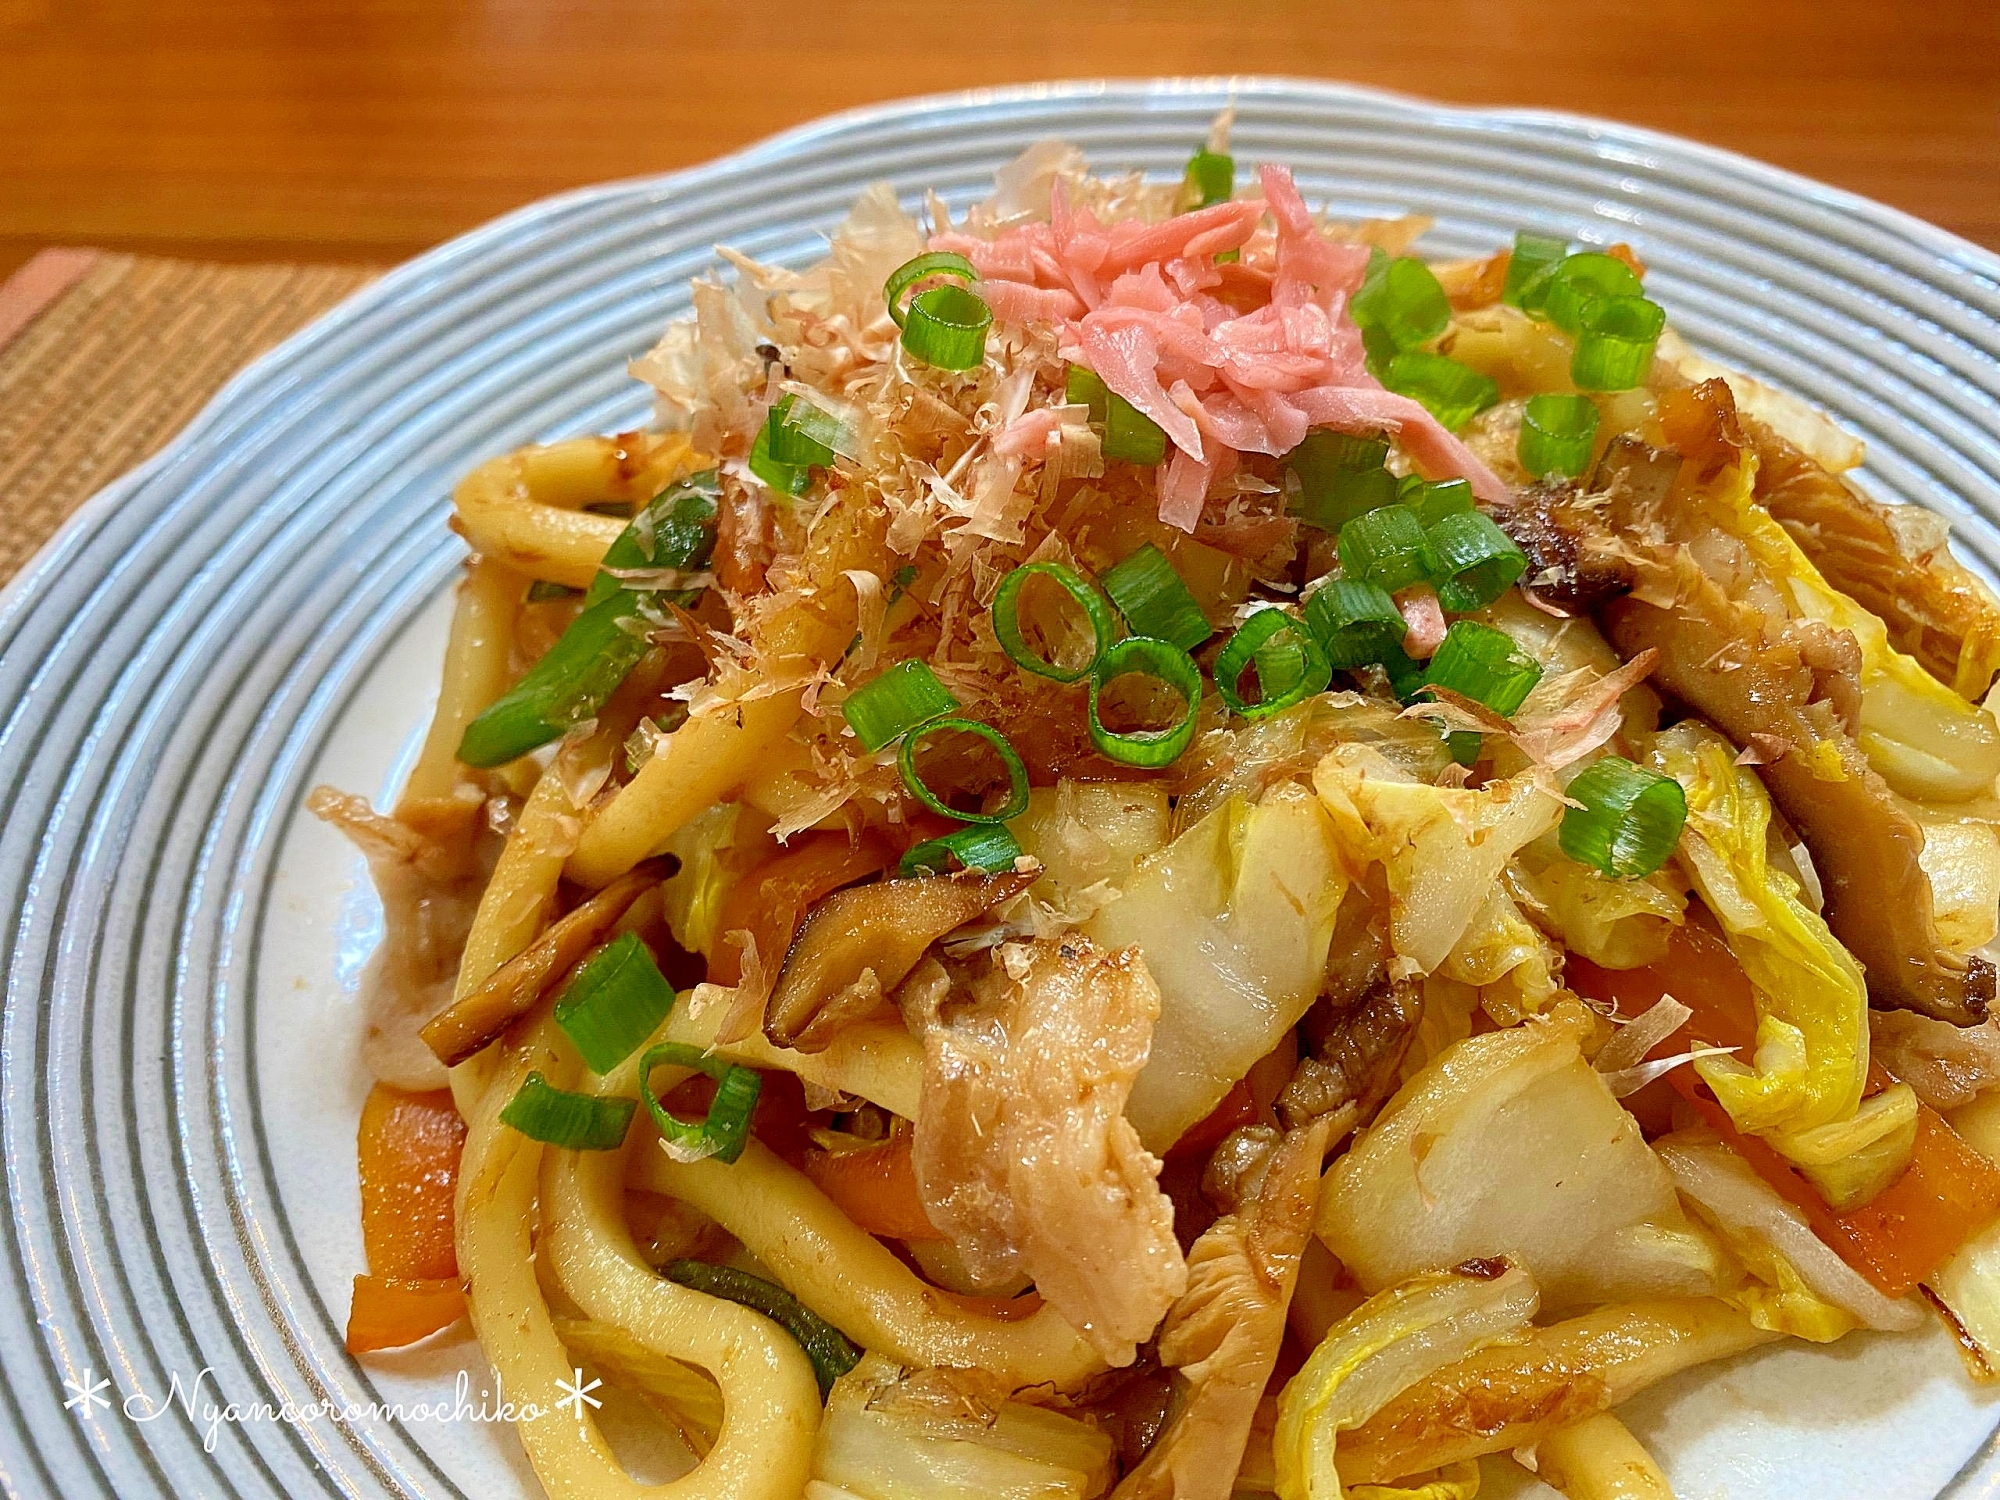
{"points": [[261, 607]]}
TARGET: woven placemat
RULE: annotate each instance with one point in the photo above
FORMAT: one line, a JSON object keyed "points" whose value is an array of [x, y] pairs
{"points": [[103, 357]]}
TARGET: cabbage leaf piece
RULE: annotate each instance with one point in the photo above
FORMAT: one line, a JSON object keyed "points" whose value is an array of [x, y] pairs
{"points": [[1510, 1144], [1235, 918], [1394, 1339], [1444, 849], [1812, 1003], [891, 1434]]}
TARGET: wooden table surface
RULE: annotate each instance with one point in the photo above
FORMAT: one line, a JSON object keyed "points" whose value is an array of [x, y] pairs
{"points": [[367, 130]]}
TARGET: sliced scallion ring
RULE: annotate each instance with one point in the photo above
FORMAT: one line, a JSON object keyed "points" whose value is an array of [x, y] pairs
{"points": [[946, 328], [1010, 758], [802, 433], [722, 1133], [1557, 433], [1451, 392], [1165, 662], [1614, 351], [983, 846], [1477, 562], [1629, 822], [1357, 623], [882, 711], [617, 999], [1483, 664], [1130, 436], [1288, 661], [1387, 548], [1582, 279], [1441, 498], [910, 272], [1155, 602], [575, 1122], [1529, 270], [1404, 305], [1007, 619]]}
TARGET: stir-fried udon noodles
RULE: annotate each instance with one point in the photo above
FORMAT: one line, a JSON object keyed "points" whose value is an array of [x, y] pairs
{"points": [[1150, 847]]}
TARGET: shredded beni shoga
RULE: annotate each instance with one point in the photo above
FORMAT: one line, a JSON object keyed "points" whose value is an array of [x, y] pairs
{"points": [[1116, 702]]}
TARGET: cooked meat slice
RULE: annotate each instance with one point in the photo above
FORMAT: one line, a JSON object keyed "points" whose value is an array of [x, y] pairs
{"points": [[1223, 1334], [1022, 1152], [1792, 689], [1355, 1055], [430, 861]]}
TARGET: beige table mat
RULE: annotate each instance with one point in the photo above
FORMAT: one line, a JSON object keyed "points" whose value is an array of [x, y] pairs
{"points": [[104, 357]]}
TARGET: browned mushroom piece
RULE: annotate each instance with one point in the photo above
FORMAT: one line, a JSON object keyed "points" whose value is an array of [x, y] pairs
{"points": [[475, 1020], [1893, 560], [860, 943]]}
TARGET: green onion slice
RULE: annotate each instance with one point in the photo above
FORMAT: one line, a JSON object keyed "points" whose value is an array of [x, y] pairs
{"points": [[983, 846], [1630, 819], [1357, 623], [599, 649], [546, 591], [1154, 600], [1462, 745], [1557, 433], [947, 327], [1477, 562], [1130, 436], [1285, 655], [1010, 758], [1165, 662], [1530, 269], [828, 1349], [884, 710], [910, 272], [802, 433], [727, 1126], [1615, 350], [1483, 664], [1212, 177], [617, 999], [576, 1122], [675, 530], [1582, 279], [1387, 548], [786, 479], [568, 685], [1403, 305], [1451, 392], [1007, 619], [1441, 498], [1340, 477]]}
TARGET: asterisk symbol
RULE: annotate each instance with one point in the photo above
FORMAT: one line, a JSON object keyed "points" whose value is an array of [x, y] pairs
{"points": [[89, 1395], [574, 1393]]}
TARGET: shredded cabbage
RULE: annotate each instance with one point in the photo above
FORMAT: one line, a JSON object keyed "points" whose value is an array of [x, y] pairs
{"points": [[1812, 1005], [1506, 958], [1393, 1340]]}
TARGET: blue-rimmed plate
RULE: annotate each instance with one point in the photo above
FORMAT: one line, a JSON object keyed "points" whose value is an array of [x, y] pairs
{"points": [[261, 607]]}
